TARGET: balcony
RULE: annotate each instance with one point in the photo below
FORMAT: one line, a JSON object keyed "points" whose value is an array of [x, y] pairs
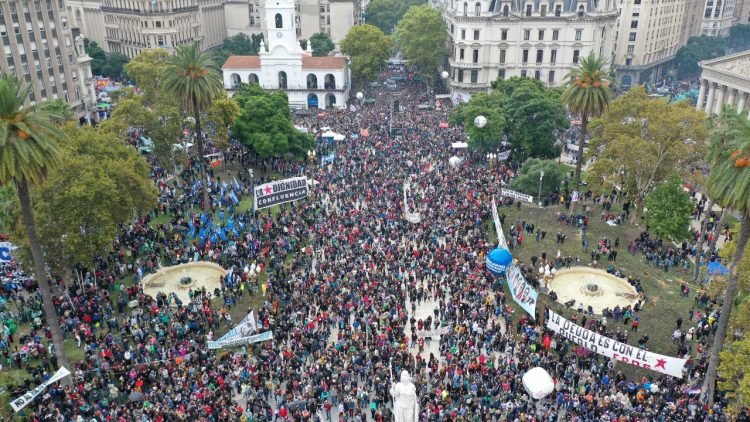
{"points": [[464, 64]]}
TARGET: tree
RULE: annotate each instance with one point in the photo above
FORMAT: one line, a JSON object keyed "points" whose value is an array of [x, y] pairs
{"points": [[491, 106], [8, 204], [535, 116], [385, 14], [148, 70], [697, 49], [100, 185], [639, 142], [587, 94], [194, 82], [29, 151], [103, 63], [368, 48], [321, 44], [728, 185], [240, 45], [528, 181], [669, 210], [739, 37], [421, 36], [220, 116], [265, 125]]}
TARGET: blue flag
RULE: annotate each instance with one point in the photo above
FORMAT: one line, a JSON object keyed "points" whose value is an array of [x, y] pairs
{"points": [[234, 197]]}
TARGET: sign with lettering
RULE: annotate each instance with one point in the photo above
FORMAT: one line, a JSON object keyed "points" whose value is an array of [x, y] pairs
{"points": [[523, 294], [517, 195], [433, 333], [613, 349], [280, 192], [27, 398], [498, 227], [268, 335]]}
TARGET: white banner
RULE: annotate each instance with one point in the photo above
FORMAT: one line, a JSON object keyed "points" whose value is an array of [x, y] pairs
{"points": [[246, 327], [280, 192], [523, 294], [268, 335], [433, 333], [502, 156], [27, 398], [498, 227], [614, 349], [517, 195]]}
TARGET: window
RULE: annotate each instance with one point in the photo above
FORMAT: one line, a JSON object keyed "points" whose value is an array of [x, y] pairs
{"points": [[526, 34], [636, 1], [474, 76], [528, 10], [476, 35], [279, 21], [631, 37], [502, 56], [475, 56], [580, 11], [504, 34], [636, 13], [466, 9], [628, 62], [460, 75], [463, 34], [541, 35], [461, 54], [523, 73], [537, 75], [555, 35], [16, 28], [633, 24], [3, 31], [477, 9], [282, 80], [158, 24], [539, 56], [631, 48], [505, 11], [493, 5], [37, 65], [579, 34], [544, 10], [551, 77], [558, 10], [525, 56], [501, 73], [576, 54], [553, 56]]}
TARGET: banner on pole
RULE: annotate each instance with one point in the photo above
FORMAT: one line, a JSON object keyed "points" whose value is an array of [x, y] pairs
{"points": [[268, 335], [433, 333], [280, 192], [243, 329], [498, 227], [517, 195], [614, 349], [27, 398], [523, 294]]}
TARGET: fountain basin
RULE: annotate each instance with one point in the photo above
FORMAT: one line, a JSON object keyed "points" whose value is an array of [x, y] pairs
{"points": [[179, 279], [593, 287]]}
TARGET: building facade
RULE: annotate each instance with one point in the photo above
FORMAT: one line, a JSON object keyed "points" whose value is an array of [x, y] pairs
{"points": [[310, 82], [87, 16], [742, 12], [718, 17], [647, 38], [131, 26], [333, 17], [40, 50], [725, 80], [691, 23], [491, 39]]}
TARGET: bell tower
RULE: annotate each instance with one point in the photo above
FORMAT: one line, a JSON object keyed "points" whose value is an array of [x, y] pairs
{"points": [[280, 25]]}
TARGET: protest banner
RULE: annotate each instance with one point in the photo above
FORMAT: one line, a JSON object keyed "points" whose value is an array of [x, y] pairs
{"points": [[517, 195], [280, 192], [523, 293], [246, 327], [29, 396], [268, 335], [614, 349], [498, 227], [433, 333]]}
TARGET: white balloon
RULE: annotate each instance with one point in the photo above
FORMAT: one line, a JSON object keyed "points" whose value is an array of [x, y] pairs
{"points": [[480, 122]]}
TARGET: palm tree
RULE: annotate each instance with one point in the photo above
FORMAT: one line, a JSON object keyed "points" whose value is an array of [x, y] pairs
{"points": [[729, 186], [587, 94], [29, 150], [194, 81]]}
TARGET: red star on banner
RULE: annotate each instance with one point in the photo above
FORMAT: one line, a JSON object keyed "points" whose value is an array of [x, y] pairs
{"points": [[268, 190], [660, 363]]}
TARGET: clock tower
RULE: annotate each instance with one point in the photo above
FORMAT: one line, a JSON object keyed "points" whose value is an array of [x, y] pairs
{"points": [[280, 22]]}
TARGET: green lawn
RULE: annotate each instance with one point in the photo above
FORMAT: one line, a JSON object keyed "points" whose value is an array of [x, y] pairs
{"points": [[664, 303]]}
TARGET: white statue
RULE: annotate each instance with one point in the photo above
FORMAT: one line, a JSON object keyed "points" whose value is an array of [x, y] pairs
{"points": [[405, 403]]}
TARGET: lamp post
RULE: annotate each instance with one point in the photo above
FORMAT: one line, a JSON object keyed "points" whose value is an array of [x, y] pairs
{"points": [[360, 96], [539, 208], [444, 75]]}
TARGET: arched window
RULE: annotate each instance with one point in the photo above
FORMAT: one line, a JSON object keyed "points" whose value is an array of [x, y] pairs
{"points": [[312, 101], [329, 82], [279, 21], [235, 80], [580, 11], [493, 5], [505, 10], [466, 9], [252, 79], [477, 9], [282, 80], [312, 81]]}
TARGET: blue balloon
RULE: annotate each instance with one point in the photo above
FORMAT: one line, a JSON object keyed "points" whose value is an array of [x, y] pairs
{"points": [[498, 261]]}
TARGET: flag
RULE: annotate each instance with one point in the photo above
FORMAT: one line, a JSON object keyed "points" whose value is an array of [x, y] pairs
{"points": [[236, 183], [233, 196]]}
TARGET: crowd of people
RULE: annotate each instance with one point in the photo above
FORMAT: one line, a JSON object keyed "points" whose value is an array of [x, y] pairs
{"points": [[347, 285]]}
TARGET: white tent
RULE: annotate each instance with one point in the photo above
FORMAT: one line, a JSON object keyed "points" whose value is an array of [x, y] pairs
{"points": [[458, 145], [329, 134], [538, 383], [338, 137], [455, 161]]}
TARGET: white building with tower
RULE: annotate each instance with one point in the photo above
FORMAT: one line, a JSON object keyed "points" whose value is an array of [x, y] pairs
{"points": [[310, 82]]}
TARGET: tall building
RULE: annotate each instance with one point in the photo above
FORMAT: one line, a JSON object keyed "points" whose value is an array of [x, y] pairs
{"points": [[649, 33], [492, 39], [333, 17], [40, 49], [742, 12], [131, 26], [718, 17], [87, 16], [691, 23]]}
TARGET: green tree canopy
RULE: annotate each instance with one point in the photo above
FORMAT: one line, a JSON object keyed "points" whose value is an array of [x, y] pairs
{"points": [[103, 63], [322, 44], [148, 70], [491, 106], [368, 48], [421, 36], [638, 142], [240, 45], [528, 181], [739, 37], [669, 210], [385, 14], [265, 126], [697, 48], [220, 116]]}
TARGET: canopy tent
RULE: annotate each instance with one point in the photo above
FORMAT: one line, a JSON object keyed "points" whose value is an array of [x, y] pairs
{"points": [[339, 137], [455, 161], [538, 383], [329, 134], [459, 145], [717, 268]]}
